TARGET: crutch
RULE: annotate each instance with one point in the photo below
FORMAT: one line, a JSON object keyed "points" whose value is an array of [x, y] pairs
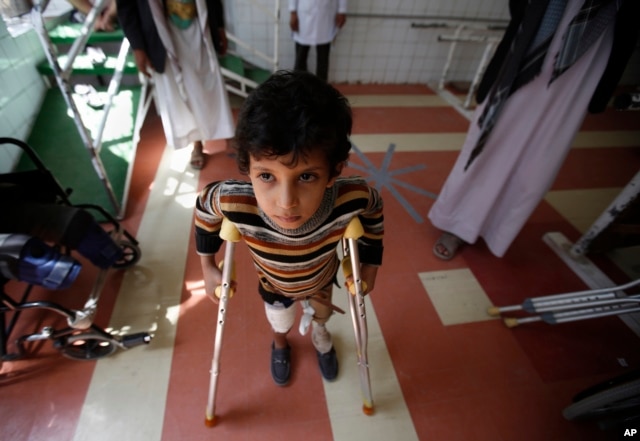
{"points": [[231, 235], [351, 267], [573, 306]]}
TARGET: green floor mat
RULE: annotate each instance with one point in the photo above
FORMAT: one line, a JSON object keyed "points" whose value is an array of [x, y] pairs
{"points": [[57, 142]]}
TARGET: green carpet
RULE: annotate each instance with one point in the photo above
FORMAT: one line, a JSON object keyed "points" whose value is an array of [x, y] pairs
{"points": [[57, 142]]}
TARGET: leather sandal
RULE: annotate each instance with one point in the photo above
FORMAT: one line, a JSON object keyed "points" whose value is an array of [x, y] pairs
{"points": [[447, 246]]}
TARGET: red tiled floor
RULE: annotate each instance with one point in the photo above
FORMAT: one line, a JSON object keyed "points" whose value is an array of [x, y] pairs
{"points": [[475, 381]]}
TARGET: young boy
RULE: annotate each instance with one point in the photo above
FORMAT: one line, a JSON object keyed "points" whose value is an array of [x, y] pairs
{"points": [[292, 140]]}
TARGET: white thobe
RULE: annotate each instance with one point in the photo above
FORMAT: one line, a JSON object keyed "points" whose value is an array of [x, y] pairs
{"points": [[190, 94], [533, 134]]}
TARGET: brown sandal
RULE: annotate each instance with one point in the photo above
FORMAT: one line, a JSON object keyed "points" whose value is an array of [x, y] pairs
{"points": [[197, 156], [447, 246]]}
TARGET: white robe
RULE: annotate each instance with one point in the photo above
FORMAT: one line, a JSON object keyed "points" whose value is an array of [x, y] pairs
{"points": [[533, 134], [191, 96], [316, 20]]}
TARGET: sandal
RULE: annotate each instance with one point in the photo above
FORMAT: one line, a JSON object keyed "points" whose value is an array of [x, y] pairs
{"points": [[447, 246], [197, 156]]}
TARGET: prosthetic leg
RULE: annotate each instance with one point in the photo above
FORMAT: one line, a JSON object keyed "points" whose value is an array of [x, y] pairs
{"points": [[230, 234], [351, 268]]}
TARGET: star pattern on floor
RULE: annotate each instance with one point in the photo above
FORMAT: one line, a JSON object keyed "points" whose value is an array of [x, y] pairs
{"points": [[385, 177]]}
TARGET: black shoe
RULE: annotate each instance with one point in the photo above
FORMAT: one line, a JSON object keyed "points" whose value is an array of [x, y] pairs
{"points": [[280, 365], [328, 363]]}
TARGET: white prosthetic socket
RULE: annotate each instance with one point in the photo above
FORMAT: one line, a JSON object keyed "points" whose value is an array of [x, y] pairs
{"points": [[321, 338], [280, 318], [307, 317]]}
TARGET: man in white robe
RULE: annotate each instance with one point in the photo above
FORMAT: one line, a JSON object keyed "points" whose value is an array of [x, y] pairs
{"points": [[172, 43], [316, 23], [493, 196]]}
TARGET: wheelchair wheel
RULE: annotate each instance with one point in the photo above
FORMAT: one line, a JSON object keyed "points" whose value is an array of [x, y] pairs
{"points": [[130, 254], [86, 346], [609, 402]]}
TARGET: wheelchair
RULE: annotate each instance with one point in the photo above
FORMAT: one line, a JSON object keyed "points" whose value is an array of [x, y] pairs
{"points": [[45, 242]]}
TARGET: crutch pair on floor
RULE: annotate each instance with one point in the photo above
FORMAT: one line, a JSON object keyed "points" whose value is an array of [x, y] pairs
{"points": [[572, 306], [351, 269]]}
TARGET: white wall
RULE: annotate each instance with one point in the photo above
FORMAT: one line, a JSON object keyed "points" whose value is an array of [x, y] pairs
{"points": [[378, 44], [21, 89]]}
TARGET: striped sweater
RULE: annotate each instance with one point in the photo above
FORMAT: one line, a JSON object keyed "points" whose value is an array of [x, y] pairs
{"points": [[297, 262]]}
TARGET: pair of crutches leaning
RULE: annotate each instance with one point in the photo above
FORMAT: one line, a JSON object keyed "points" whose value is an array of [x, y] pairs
{"points": [[350, 267]]}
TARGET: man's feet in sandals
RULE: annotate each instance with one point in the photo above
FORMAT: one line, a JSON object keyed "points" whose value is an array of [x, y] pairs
{"points": [[197, 156], [447, 246]]}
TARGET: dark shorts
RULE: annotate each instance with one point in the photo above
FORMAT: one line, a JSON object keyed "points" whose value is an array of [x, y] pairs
{"points": [[272, 297]]}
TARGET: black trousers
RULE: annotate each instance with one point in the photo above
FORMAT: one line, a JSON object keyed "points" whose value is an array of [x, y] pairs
{"points": [[322, 59]]}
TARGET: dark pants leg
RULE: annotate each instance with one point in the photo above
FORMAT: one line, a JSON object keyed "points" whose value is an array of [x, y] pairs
{"points": [[302, 52], [322, 64]]}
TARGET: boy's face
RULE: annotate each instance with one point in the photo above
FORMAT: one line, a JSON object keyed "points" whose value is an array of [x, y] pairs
{"points": [[290, 195]]}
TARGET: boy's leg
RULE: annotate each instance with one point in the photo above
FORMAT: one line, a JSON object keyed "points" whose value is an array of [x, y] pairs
{"points": [[320, 337], [281, 318]]}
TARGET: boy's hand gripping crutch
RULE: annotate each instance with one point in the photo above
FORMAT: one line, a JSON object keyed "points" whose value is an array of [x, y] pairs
{"points": [[355, 292], [231, 235]]}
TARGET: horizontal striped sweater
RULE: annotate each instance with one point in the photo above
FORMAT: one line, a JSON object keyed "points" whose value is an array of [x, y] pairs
{"points": [[292, 262]]}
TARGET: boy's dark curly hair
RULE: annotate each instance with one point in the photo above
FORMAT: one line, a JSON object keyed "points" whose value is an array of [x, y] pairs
{"points": [[294, 112]]}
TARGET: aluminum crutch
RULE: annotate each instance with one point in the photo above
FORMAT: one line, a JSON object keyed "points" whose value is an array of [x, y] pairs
{"points": [[351, 267], [230, 234], [579, 305]]}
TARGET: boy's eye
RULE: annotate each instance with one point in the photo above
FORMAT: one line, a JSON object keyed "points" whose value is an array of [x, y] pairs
{"points": [[307, 177], [266, 177]]}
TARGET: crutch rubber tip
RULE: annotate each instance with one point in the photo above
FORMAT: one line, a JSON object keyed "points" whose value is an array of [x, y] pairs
{"points": [[210, 422], [511, 322], [368, 410], [493, 311]]}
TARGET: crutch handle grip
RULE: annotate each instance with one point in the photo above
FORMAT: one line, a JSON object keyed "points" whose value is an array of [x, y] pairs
{"points": [[348, 272], [354, 229], [218, 290]]}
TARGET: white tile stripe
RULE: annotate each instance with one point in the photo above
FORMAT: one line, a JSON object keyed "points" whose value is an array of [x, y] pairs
{"points": [[409, 142], [431, 142], [613, 138], [397, 101], [391, 420], [126, 398]]}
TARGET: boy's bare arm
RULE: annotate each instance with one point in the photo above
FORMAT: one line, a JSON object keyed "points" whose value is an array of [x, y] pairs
{"points": [[368, 274]]}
